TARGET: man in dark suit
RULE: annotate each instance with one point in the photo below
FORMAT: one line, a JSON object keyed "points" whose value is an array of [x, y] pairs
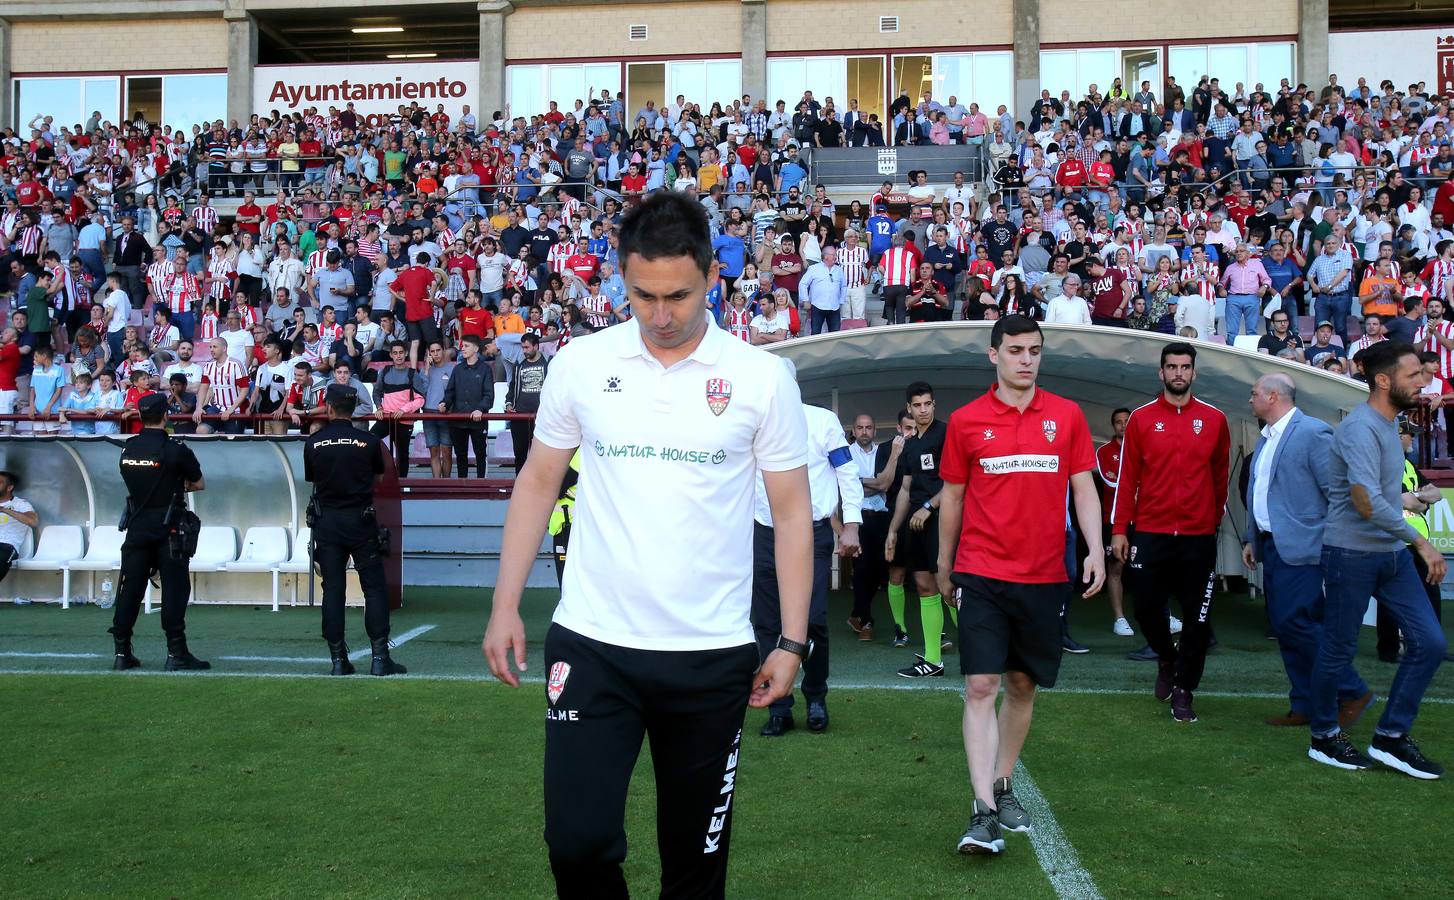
{"points": [[854, 122], [1286, 508], [131, 253]]}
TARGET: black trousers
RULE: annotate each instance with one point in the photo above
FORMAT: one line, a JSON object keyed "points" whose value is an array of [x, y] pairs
{"points": [[8, 553], [1388, 640], [401, 435], [1164, 567], [601, 700], [896, 298], [767, 612], [560, 543], [522, 432], [462, 439], [147, 549], [870, 569], [342, 533]]}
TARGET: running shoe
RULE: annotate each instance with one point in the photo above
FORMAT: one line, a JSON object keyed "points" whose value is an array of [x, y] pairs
{"points": [[1123, 628], [1181, 709], [922, 669], [1012, 815], [944, 642], [1403, 754], [901, 639], [1337, 751], [1071, 645], [1165, 672], [983, 834]]}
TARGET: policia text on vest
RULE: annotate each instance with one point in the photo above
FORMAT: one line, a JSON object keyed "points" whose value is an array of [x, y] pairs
{"points": [[161, 535]]}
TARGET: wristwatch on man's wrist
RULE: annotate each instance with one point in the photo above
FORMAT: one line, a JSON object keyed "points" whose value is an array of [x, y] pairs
{"points": [[795, 647]]}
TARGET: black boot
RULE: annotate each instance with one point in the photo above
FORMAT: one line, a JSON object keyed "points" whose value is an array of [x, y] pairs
{"points": [[382, 663], [339, 653], [124, 658], [179, 658]]}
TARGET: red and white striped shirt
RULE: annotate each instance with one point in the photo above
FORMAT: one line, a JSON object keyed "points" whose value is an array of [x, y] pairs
{"points": [[444, 238], [207, 328], [228, 380], [370, 250], [1441, 272], [330, 333], [519, 272], [1206, 275], [1392, 267], [181, 291], [318, 259], [156, 275], [1427, 342], [248, 314], [220, 270], [1364, 343], [898, 267], [206, 218], [854, 261], [737, 322], [558, 256], [30, 240]]}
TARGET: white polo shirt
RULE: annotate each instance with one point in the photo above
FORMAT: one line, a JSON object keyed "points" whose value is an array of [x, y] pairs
{"points": [[867, 462], [832, 473], [661, 540]]}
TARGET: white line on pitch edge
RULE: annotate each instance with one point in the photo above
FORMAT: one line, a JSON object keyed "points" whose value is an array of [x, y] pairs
{"points": [[356, 655], [19, 654], [1053, 849]]}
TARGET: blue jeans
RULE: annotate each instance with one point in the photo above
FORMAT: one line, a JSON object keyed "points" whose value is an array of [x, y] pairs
{"points": [[1241, 308], [186, 323], [824, 320], [1295, 610], [1335, 308], [1350, 578]]}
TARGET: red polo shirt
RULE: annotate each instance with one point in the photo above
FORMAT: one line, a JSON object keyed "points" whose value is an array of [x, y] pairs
{"points": [[1108, 463], [1071, 173], [1015, 467], [583, 264]]}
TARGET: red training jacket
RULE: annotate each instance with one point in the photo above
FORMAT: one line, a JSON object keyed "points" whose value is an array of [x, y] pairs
{"points": [[1174, 467]]}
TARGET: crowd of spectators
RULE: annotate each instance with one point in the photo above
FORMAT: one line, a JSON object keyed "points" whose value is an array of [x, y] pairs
{"points": [[1298, 217]]}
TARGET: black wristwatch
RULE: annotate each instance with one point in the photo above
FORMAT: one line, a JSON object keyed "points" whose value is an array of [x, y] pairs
{"points": [[802, 650]]}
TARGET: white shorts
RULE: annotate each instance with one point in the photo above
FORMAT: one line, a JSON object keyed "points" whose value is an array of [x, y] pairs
{"points": [[853, 303], [8, 400]]}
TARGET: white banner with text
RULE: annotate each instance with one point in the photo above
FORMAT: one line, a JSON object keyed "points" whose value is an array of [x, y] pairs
{"points": [[375, 89]]}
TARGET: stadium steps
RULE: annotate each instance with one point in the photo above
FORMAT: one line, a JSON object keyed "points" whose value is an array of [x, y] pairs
{"points": [[456, 543]]}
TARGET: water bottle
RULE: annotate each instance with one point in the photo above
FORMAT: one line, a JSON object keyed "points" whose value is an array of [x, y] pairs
{"points": [[108, 594]]}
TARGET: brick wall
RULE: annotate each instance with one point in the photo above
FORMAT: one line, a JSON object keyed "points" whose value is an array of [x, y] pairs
{"points": [[828, 25], [1128, 22], [118, 45], [684, 29]]}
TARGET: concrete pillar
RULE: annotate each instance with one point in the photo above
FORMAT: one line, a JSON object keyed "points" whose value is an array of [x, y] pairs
{"points": [[1025, 15], [492, 58], [7, 84], [754, 49], [241, 63], [1312, 43]]}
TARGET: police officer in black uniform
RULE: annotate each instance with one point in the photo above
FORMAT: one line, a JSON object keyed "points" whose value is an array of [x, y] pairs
{"points": [[342, 462], [160, 534]]}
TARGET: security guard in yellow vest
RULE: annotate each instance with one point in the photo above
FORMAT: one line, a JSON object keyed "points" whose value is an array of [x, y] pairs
{"points": [[560, 517], [1419, 496]]}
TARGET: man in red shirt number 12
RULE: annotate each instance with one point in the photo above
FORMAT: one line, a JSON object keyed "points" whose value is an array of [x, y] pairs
{"points": [[1011, 458]]}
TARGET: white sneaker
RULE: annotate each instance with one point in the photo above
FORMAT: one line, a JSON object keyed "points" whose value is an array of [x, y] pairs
{"points": [[1122, 628], [1175, 625]]}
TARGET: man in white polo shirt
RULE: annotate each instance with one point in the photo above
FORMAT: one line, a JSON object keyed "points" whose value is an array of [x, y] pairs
{"points": [[832, 479], [652, 636]]}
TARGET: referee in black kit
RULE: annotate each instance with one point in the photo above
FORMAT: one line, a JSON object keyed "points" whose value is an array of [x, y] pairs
{"points": [[673, 417], [342, 462]]}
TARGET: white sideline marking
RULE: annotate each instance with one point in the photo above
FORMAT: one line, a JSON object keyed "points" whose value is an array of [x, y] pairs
{"points": [[1054, 851], [356, 655], [535, 679], [18, 654]]}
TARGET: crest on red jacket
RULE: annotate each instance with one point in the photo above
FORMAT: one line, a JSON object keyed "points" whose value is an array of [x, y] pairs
{"points": [[1196, 426]]}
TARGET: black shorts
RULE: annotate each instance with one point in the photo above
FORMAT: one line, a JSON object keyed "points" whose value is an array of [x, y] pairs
{"points": [[918, 551], [424, 331], [1006, 626]]}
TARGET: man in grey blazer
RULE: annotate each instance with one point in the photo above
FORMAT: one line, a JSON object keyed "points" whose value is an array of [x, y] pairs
{"points": [[1286, 507]]}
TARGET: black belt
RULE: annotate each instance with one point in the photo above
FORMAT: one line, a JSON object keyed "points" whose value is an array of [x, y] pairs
{"points": [[1264, 535]]}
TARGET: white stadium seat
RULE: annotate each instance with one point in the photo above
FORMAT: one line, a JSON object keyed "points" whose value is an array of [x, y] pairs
{"points": [[59, 546], [1246, 342], [264, 549], [216, 547], [103, 555], [297, 563]]}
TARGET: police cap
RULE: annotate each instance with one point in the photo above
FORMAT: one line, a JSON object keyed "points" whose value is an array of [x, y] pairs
{"points": [[152, 405], [340, 393]]}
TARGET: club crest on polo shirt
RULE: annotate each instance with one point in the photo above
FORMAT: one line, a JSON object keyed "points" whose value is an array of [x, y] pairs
{"points": [[1196, 426], [719, 394], [555, 686], [1048, 427]]}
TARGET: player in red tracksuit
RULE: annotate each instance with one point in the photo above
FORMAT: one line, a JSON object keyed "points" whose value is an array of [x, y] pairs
{"points": [[1172, 491], [1108, 468]]}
